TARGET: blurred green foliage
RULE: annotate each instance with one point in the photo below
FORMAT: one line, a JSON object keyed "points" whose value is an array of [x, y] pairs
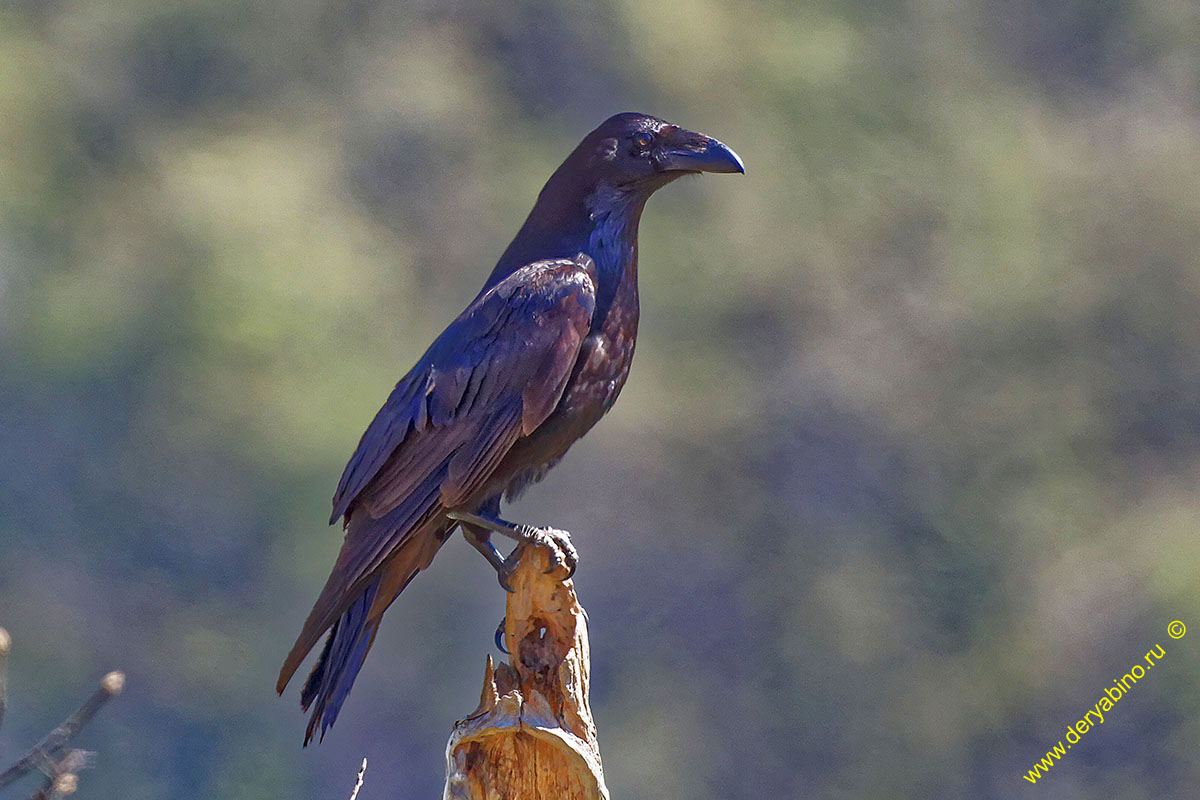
{"points": [[905, 472]]}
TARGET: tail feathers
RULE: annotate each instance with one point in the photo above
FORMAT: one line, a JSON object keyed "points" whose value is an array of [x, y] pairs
{"points": [[339, 663], [354, 631], [403, 542]]}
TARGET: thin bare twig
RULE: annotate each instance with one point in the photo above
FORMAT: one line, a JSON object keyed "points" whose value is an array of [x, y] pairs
{"points": [[5, 644], [65, 778], [47, 755], [361, 772]]}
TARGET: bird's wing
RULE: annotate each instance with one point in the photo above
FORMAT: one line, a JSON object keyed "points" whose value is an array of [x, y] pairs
{"points": [[511, 351], [492, 377]]}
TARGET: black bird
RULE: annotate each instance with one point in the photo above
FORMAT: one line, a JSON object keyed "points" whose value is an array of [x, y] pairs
{"points": [[530, 366]]}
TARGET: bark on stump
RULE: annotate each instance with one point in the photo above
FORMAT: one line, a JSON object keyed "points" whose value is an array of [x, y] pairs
{"points": [[532, 736]]}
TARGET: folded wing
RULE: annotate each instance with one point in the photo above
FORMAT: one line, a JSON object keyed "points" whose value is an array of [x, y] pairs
{"points": [[491, 378]]}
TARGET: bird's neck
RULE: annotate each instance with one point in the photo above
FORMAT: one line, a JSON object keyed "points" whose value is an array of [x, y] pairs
{"points": [[600, 221], [612, 243]]}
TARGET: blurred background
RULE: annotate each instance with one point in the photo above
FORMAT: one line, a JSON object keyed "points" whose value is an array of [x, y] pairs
{"points": [[903, 477]]}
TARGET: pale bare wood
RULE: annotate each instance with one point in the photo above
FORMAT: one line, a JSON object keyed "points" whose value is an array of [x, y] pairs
{"points": [[5, 644], [532, 736], [362, 771]]}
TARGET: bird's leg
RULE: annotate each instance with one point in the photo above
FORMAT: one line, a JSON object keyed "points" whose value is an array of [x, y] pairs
{"points": [[481, 540], [552, 539]]}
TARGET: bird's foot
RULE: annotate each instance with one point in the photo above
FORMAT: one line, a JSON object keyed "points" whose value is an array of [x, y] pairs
{"points": [[559, 552], [557, 543], [558, 547]]}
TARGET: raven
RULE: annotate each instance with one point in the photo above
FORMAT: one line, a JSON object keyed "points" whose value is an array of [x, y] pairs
{"points": [[536, 359]]}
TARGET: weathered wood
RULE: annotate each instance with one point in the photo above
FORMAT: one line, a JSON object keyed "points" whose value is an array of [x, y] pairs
{"points": [[532, 736], [362, 771]]}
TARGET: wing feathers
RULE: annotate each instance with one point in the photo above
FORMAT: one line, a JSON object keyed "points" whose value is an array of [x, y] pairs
{"points": [[493, 376], [390, 426], [471, 466], [492, 349], [563, 337]]}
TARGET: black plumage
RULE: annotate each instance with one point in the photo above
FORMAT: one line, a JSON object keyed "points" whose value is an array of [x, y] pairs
{"points": [[531, 365]]}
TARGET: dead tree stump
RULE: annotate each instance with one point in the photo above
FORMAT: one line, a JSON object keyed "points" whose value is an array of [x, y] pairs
{"points": [[532, 736]]}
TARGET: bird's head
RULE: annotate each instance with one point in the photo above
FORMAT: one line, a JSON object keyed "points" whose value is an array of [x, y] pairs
{"points": [[632, 152], [593, 201]]}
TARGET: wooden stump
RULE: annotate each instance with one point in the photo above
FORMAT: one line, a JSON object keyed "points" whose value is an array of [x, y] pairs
{"points": [[532, 736]]}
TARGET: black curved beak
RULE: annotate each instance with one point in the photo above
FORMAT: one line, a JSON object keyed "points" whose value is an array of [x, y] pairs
{"points": [[702, 153]]}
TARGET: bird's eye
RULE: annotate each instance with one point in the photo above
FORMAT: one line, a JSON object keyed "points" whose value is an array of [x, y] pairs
{"points": [[642, 140]]}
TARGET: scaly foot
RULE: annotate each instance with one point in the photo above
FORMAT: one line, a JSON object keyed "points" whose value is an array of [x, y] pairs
{"points": [[557, 543]]}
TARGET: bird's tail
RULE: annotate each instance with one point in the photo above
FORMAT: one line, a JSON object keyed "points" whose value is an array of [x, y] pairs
{"points": [[341, 658], [349, 641], [353, 632]]}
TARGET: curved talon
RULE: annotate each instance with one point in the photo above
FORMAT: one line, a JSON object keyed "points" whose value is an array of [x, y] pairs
{"points": [[553, 561], [500, 637], [502, 577], [556, 563]]}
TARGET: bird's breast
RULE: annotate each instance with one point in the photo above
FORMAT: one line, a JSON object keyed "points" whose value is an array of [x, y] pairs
{"points": [[600, 373], [598, 377], [606, 355]]}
